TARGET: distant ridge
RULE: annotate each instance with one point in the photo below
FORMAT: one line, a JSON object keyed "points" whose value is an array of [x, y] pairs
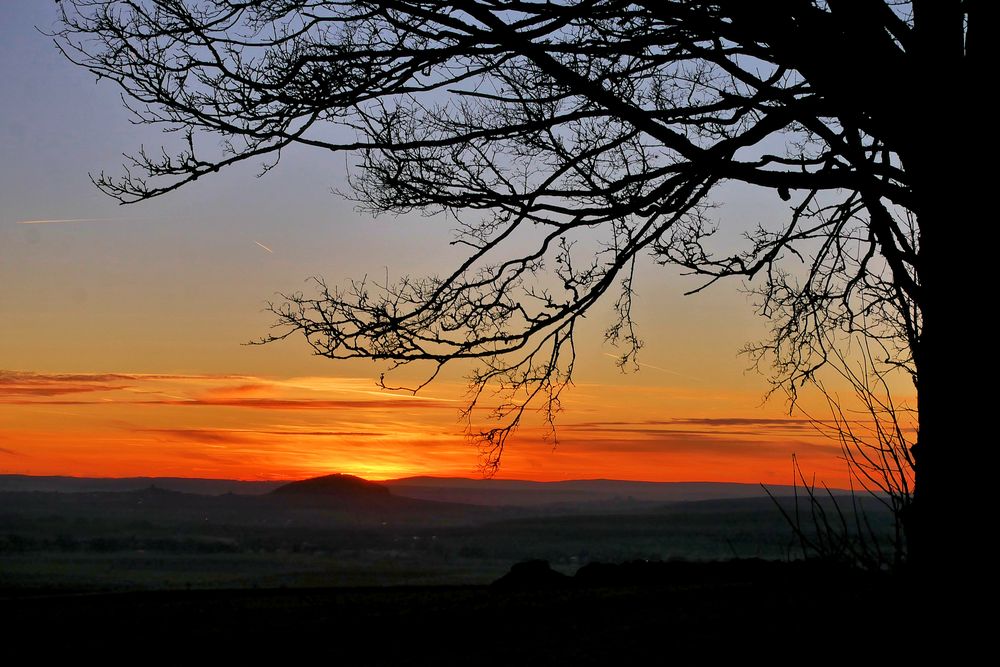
{"points": [[354, 494], [524, 493], [336, 485], [586, 493], [310, 502], [202, 486]]}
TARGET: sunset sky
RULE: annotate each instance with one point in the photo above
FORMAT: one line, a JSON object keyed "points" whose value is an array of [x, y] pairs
{"points": [[122, 340]]}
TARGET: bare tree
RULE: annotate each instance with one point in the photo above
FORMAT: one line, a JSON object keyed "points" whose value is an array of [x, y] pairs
{"points": [[875, 433], [597, 130]]}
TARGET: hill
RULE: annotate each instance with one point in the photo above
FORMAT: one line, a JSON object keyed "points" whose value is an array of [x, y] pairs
{"points": [[572, 496], [346, 531], [333, 486], [65, 484], [586, 493]]}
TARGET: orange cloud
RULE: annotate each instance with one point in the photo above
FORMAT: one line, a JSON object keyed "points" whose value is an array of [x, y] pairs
{"points": [[304, 404], [14, 383], [246, 427]]}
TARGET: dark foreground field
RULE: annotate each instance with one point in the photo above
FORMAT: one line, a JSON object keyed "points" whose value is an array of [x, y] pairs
{"points": [[167, 577], [712, 612], [155, 539]]}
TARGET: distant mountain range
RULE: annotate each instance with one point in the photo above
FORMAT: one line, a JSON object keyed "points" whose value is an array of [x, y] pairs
{"points": [[439, 523], [322, 502], [208, 487], [452, 490], [521, 493]]}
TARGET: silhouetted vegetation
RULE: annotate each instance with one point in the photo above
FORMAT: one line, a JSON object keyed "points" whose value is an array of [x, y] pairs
{"points": [[569, 140], [699, 616]]}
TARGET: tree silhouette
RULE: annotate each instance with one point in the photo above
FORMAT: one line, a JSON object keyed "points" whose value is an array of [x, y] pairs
{"points": [[874, 433], [595, 131]]}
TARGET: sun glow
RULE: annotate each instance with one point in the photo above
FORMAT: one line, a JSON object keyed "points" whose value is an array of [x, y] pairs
{"points": [[247, 427]]}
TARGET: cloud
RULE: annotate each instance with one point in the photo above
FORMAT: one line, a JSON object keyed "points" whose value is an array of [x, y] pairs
{"points": [[710, 426], [7, 390], [247, 436], [65, 220], [241, 389], [303, 425], [13, 378], [738, 421], [14, 383], [704, 421], [26, 388], [303, 404], [706, 436], [655, 368], [255, 403], [216, 436], [684, 443], [324, 434]]}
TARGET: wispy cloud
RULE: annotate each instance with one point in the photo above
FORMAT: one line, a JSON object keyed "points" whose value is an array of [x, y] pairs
{"points": [[252, 403], [264, 247], [697, 444], [25, 384], [248, 436], [30, 384], [248, 426], [737, 421], [702, 425], [209, 435], [64, 220], [305, 404], [25, 388], [657, 368]]}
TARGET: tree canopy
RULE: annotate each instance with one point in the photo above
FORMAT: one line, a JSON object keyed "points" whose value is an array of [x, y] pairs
{"points": [[591, 132]]}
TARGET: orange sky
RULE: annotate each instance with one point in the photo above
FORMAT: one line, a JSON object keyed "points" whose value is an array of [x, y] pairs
{"points": [[264, 428], [121, 343]]}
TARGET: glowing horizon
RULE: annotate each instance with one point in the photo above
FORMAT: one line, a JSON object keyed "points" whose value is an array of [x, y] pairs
{"points": [[130, 331], [250, 427]]}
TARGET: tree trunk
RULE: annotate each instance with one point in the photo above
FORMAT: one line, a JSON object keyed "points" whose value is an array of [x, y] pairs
{"points": [[952, 358], [953, 248]]}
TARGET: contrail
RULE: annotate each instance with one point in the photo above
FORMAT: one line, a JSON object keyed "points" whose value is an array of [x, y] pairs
{"points": [[264, 247], [657, 368], [45, 222]]}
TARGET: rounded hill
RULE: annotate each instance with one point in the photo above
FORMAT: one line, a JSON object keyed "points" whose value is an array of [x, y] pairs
{"points": [[337, 486]]}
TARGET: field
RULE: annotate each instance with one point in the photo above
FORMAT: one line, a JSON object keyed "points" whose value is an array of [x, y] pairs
{"points": [[155, 573], [801, 617], [155, 540]]}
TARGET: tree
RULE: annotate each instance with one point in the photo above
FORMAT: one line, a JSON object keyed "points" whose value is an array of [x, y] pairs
{"points": [[874, 433], [597, 131]]}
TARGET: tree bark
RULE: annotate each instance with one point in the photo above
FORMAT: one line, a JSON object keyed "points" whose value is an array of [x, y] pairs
{"points": [[947, 416], [953, 356], [939, 158]]}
